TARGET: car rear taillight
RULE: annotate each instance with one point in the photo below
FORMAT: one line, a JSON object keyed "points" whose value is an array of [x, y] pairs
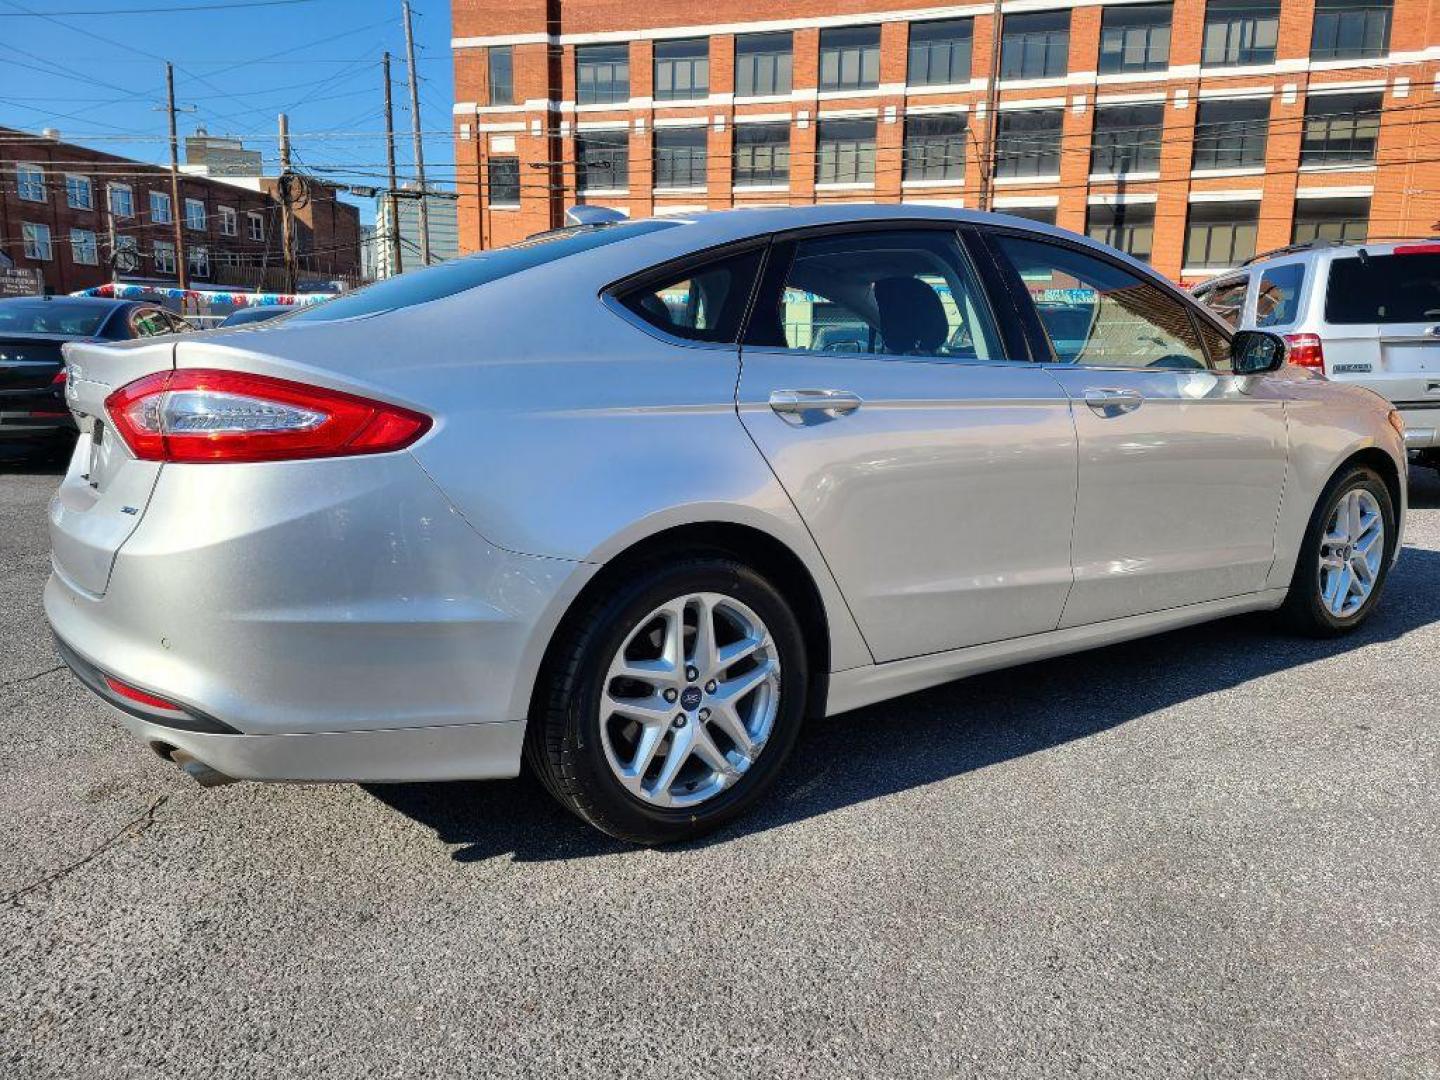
{"points": [[60, 377], [1306, 351], [200, 415], [140, 697]]}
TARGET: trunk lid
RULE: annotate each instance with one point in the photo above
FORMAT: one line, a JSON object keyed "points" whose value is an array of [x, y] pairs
{"points": [[106, 489], [29, 361], [1382, 315]]}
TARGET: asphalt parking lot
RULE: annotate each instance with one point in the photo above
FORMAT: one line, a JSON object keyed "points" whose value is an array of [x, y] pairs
{"points": [[1211, 853]]}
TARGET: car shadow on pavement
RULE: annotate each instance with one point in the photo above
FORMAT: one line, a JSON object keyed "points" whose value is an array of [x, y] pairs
{"points": [[950, 730]]}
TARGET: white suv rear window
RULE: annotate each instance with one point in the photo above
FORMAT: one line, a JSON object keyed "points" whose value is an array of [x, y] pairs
{"points": [[1384, 289]]}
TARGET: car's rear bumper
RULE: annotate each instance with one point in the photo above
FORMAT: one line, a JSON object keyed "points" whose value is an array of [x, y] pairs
{"points": [[1422, 424]]}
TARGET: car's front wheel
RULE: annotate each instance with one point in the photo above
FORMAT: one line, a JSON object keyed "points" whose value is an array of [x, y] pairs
{"points": [[672, 699]]}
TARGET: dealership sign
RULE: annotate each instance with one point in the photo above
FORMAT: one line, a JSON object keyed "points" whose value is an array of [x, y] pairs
{"points": [[21, 282]]}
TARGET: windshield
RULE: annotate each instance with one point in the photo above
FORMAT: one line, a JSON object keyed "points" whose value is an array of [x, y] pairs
{"points": [[51, 317], [458, 275], [1384, 289]]}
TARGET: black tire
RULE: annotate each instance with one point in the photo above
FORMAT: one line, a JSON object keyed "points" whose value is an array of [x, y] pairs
{"points": [[1304, 610], [563, 741]]}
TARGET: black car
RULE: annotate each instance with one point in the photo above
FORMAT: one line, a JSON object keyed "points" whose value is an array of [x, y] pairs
{"points": [[264, 313], [33, 413]]}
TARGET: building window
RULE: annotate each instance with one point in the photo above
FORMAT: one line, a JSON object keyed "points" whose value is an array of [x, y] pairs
{"points": [[504, 181], [682, 69], [164, 252], [845, 152], [1347, 30], [1027, 142], [500, 74], [1240, 32], [198, 259], [602, 74], [763, 64], [1043, 214], [195, 214], [850, 58], [1127, 226], [1127, 139], [160, 208], [1231, 134], [935, 147], [79, 195], [255, 226], [762, 155], [602, 160], [1340, 128], [940, 52], [1135, 38], [83, 248], [1221, 234], [36, 237], [30, 182], [122, 200], [229, 221], [680, 157], [1035, 46], [1336, 220], [126, 254]]}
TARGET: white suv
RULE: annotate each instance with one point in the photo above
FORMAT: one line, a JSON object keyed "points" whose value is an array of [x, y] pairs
{"points": [[1361, 313]]}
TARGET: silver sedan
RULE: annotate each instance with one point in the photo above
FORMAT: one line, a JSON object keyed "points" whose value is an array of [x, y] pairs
{"points": [[630, 501]]}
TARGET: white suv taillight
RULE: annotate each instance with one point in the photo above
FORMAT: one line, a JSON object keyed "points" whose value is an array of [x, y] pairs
{"points": [[1306, 351], [199, 415]]}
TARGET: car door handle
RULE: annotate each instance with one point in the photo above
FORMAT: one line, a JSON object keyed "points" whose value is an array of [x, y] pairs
{"points": [[1113, 401], [799, 402]]}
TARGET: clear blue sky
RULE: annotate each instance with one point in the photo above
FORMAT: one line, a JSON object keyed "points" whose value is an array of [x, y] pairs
{"points": [[98, 75]]}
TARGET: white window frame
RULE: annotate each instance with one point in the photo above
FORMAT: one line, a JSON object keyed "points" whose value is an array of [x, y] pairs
{"points": [[76, 182], [38, 244], [163, 252], [255, 225], [110, 192], [204, 216], [198, 259], [27, 173], [229, 221], [86, 243], [157, 216]]}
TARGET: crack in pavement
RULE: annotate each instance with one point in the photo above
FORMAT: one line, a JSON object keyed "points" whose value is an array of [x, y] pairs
{"points": [[32, 678], [134, 827]]}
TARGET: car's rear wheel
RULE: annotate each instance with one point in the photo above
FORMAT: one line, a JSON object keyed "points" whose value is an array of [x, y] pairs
{"points": [[671, 700], [1345, 557]]}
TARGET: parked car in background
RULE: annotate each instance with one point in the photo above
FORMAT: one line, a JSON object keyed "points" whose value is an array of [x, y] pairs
{"points": [[1367, 314], [372, 543], [262, 313], [33, 413]]}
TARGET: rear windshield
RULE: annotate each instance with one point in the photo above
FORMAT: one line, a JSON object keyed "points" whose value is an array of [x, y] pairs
{"points": [[1384, 289], [51, 317], [457, 275]]}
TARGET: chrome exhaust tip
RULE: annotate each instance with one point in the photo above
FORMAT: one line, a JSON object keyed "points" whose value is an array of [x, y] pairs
{"points": [[198, 771]]}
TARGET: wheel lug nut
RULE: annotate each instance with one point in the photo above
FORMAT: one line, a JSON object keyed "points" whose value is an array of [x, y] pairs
{"points": [[671, 694], [680, 720], [704, 715], [692, 673], [710, 686]]}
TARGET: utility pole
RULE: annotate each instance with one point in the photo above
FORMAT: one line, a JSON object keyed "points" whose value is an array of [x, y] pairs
{"points": [[992, 120], [392, 204], [182, 266], [415, 135], [287, 211], [114, 254]]}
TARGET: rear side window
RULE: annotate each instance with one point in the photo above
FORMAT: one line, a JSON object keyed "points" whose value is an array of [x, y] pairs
{"points": [[1277, 302], [1384, 289], [700, 303], [458, 275]]}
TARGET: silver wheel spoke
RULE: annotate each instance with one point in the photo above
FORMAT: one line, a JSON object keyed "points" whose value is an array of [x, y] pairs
{"points": [[732, 654], [650, 711], [675, 758], [705, 749], [650, 740], [703, 649], [732, 690], [728, 720]]}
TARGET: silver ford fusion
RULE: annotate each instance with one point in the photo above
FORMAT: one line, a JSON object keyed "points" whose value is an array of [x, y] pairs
{"points": [[632, 500]]}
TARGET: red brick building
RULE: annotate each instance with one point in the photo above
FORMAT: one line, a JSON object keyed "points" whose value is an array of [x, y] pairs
{"points": [[1192, 133], [59, 201]]}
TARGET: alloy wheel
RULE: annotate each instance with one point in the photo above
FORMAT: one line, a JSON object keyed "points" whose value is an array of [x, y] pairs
{"points": [[1351, 551]]}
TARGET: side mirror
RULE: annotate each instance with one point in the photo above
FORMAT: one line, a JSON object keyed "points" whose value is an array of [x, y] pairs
{"points": [[1254, 352]]}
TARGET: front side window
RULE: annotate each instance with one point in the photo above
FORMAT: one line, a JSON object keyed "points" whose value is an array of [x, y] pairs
{"points": [[899, 293], [122, 200], [160, 208], [1135, 38], [764, 64], [762, 155], [1127, 226], [500, 75], [1097, 313], [680, 157], [1240, 32], [850, 58], [1035, 46], [164, 254], [682, 69], [940, 52], [1127, 139], [602, 160], [1350, 30], [36, 239], [1221, 234], [79, 195], [704, 303], [83, 248], [1027, 142], [1340, 129], [195, 214], [1231, 134], [845, 152], [504, 181], [1277, 301], [1227, 300], [602, 74], [935, 146], [30, 182], [229, 221], [1336, 220]]}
